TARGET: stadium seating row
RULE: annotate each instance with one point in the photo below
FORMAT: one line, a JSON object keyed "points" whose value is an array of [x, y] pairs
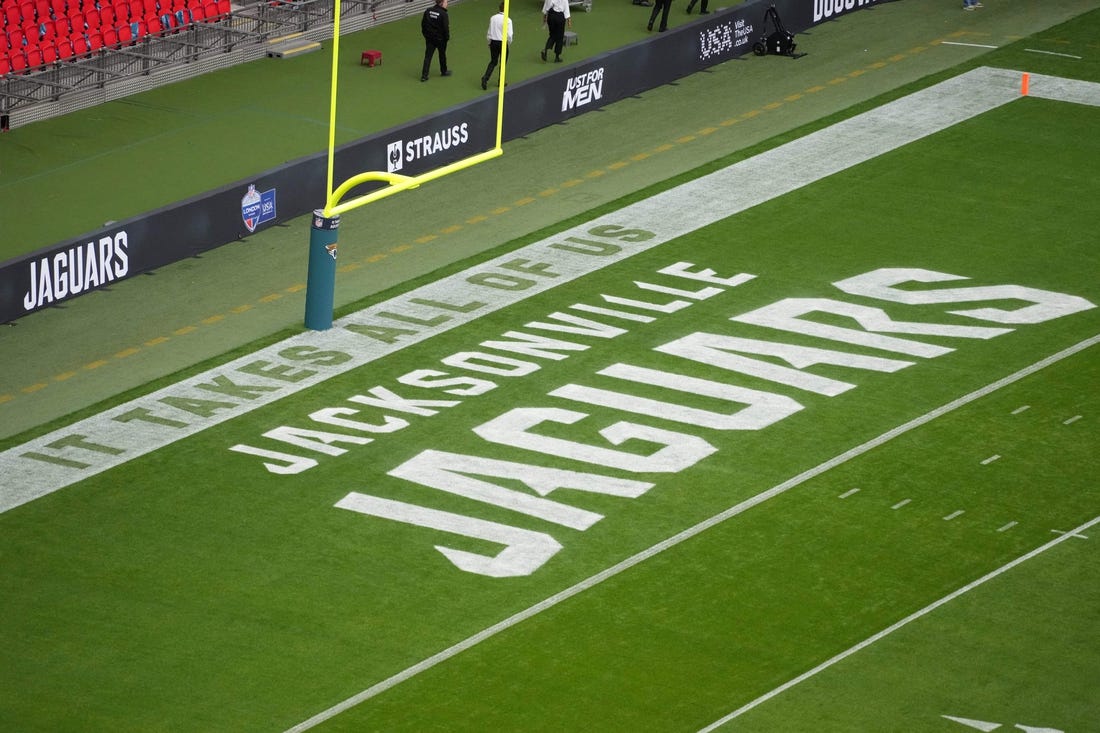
{"points": [[43, 32]]}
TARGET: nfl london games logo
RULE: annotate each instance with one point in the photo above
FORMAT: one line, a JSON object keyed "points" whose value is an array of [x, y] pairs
{"points": [[257, 208], [395, 158]]}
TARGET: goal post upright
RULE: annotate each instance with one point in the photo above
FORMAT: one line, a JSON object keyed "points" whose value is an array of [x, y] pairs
{"points": [[321, 277]]}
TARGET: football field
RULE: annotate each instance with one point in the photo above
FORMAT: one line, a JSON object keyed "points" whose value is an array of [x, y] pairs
{"points": [[807, 443]]}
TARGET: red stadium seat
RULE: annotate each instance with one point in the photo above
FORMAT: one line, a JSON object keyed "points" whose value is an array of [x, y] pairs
{"points": [[137, 9], [132, 32], [63, 51], [110, 37], [153, 25], [198, 14], [61, 27], [224, 8], [18, 62], [106, 17], [80, 45], [5, 65], [95, 41], [34, 58]]}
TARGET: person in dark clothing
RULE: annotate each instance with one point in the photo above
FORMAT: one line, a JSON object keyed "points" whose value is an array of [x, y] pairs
{"points": [[662, 7], [702, 7], [435, 26], [555, 14], [495, 35]]}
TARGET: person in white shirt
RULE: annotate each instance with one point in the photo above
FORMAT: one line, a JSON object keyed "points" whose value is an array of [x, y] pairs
{"points": [[495, 36], [555, 15]]}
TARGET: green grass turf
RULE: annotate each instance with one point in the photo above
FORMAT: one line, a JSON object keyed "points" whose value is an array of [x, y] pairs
{"points": [[190, 590]]}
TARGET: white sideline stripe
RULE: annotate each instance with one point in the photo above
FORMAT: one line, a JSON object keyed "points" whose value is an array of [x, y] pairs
{"points": [[1051, 53], [891, 629], [901, 503], [972, 45], [848, 493], [686, 534], [1007, 527], [669, 215], [953, 515], [1020, 409], [1071, 420], [992, 458]]}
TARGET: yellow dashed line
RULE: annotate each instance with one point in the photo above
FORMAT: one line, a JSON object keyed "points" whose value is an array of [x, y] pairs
{"points": [[295, 288], [128, 352], [419, 240], [63, 376], [708, 130], [269, 298], [350, 267], [572, 182], [617, 165], [773, 105], [157, 341], [595, 174], [376, 258], [793, 98], [500, 210], [898, 57], [918, 49], [548, 192], [815, 89], [730, 121], [857, 72], [212, 320], [477, 219], [451, 229], [402, 247], [6, 398], [681, 140], [876, 65], [186, 330], [639, 156], [524, 201], [96, 364], [838, 80], [241, 309], [34, 388]]}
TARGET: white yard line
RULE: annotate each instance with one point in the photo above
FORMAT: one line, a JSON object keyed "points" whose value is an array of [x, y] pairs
{"points": [[1051, 53], [891, 629], [686, 534]]}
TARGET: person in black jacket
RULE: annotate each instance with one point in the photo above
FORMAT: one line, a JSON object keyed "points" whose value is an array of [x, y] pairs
{"points": [[660, 7], [435, 26]]}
